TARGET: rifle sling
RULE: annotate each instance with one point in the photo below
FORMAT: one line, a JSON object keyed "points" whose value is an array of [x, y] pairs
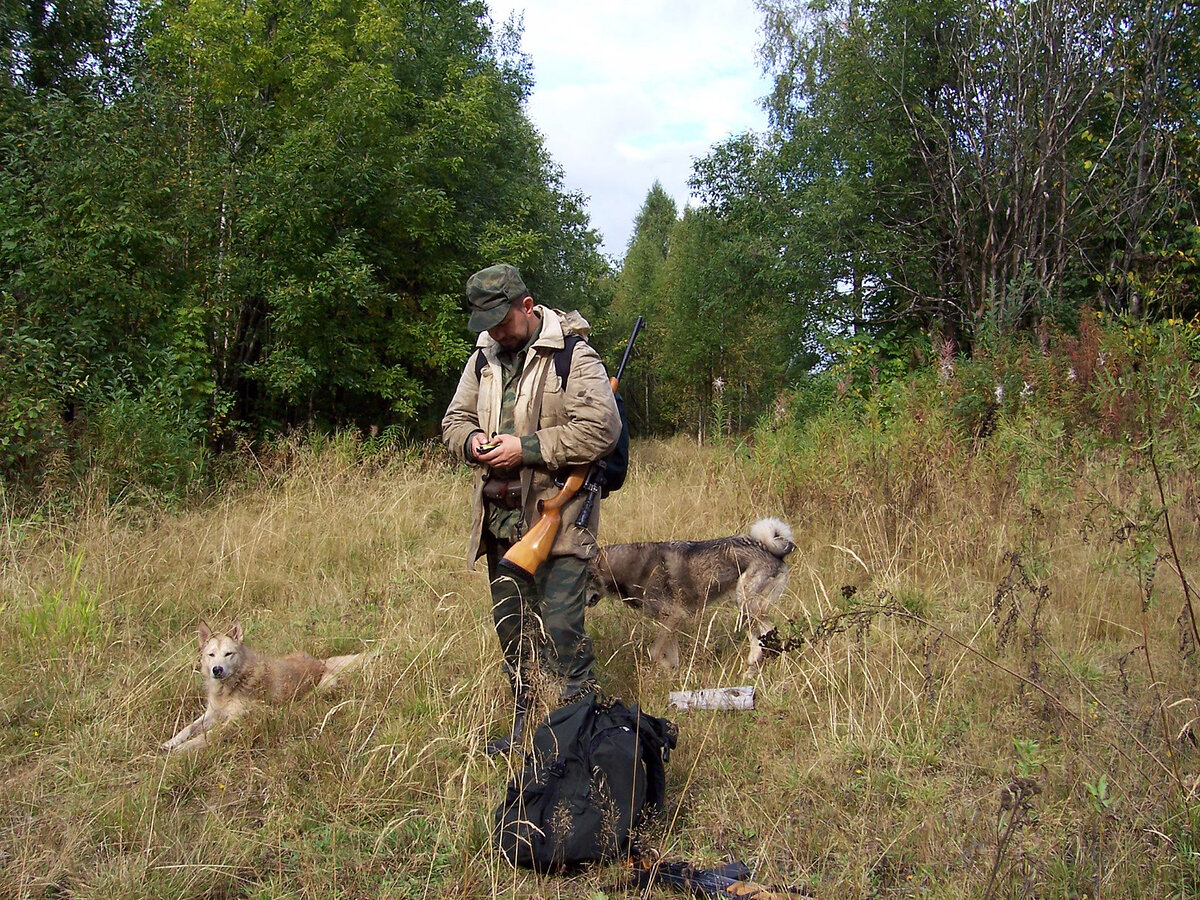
{"points": [[534, 417]]}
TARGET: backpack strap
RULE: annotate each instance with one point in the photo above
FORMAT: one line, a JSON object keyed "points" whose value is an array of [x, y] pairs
{"points": [[562, 358]]}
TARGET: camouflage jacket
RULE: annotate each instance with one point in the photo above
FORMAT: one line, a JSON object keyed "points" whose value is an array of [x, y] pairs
{"points": [[574, 426]]}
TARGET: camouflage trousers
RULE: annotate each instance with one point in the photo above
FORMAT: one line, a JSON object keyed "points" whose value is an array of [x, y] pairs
{"points": [[540, 626]]}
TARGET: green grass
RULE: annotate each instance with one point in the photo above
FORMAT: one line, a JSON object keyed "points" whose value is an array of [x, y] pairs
{"points": [[953, 632]]}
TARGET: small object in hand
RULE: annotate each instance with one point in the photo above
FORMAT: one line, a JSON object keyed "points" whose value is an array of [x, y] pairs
{"points": [[487, 448]]}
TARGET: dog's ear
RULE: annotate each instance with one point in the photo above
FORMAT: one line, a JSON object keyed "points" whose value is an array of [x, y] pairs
{"points": [[235, 630], [203, 633]]}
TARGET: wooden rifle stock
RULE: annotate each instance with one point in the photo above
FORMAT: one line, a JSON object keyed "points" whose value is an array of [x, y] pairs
{"points": [[526, 556]]}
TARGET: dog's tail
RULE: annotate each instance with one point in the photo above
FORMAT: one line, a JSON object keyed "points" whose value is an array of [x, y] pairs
{"points": [[334, 666], [775, 535]]}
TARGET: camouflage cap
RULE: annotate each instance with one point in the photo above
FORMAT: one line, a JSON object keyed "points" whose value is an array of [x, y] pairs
{"points": [[490, 293]]}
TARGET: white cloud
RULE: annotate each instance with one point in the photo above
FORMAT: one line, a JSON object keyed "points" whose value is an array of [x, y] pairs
{"points": [[628, 92]]}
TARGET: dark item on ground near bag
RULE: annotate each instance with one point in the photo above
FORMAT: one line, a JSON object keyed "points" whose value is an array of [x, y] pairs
{"points": [[733, 879], [596, 771]]}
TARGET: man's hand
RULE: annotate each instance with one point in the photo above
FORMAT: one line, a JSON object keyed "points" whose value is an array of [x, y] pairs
{"points": [[506, 452]]}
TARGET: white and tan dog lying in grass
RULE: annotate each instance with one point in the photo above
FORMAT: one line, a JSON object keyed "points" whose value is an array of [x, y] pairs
{"points": [[237, 679]]}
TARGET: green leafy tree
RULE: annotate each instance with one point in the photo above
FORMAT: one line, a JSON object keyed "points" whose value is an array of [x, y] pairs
{"points": [[357, 162], [639, 288], [264, 216], [724, 348], [83, 292], [952, 165], [742, 188], [860, 246], [1137, 189], [69, 47]]}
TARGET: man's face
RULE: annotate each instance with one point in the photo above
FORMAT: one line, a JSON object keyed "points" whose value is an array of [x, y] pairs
{"points": [[514, 329]]}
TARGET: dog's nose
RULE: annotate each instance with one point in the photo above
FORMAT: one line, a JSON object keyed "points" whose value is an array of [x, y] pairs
{"points": [[218, 671]]}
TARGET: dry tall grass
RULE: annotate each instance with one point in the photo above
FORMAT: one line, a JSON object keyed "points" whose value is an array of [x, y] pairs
{"points": [[964, 710]]}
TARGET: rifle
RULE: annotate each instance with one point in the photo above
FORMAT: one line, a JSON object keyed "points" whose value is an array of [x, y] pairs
{"points": [[526, 556]]}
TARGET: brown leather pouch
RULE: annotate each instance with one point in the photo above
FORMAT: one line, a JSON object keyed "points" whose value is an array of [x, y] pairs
{"points": [[505, 494]]}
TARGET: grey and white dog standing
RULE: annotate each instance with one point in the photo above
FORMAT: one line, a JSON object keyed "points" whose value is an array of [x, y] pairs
{"points": [[672, 581]]}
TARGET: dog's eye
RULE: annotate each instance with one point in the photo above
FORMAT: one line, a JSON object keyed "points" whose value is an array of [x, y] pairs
{"points": [[229, 653]]}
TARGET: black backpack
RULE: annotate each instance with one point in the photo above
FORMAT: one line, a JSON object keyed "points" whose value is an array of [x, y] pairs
{"points": [[596, 771], [616, 464]]}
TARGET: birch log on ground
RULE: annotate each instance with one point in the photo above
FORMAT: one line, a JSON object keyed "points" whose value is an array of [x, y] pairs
{"points": [[714, 698]]}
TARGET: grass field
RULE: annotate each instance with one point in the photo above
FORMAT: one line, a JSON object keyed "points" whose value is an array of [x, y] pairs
{"points": [[987, 693]]}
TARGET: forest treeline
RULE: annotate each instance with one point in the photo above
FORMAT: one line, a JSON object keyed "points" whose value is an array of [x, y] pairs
{"points": [[937, 175], [225, 219]]}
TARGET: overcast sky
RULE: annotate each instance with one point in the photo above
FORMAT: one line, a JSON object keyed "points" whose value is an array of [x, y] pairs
{"points": [[629, 91]]}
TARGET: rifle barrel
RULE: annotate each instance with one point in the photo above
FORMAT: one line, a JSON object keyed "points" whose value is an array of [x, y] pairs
{"points": [[637, 326]]}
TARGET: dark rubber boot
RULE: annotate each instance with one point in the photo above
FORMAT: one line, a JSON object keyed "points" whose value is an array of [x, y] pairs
{"points": [[504, 743]]}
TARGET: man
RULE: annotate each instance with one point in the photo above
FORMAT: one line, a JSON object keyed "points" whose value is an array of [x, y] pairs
{"points": [[515, 417]]}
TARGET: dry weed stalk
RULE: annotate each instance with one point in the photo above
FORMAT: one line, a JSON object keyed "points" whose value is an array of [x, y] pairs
{"points": [[1165, 508], [1007, 609], [1015, 812]]}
